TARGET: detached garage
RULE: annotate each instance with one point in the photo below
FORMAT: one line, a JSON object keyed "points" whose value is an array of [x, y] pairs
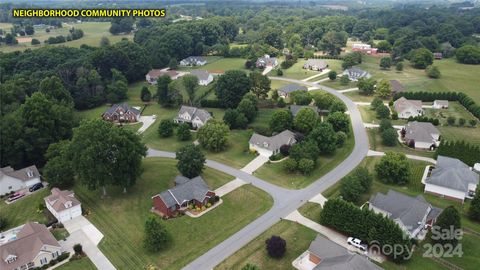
{"points": [[63, 204]]}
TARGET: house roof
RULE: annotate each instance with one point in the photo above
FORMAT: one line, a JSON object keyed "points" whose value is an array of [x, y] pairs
{"points": [[334, 256], [409, 210], [30, 240], [126, 108], [294, 109], [292, 88], [396, 86], [356, 73], [316, 62], [267, 60], [421, 131], [185, 190], [24, 174], [155, 73], [192, 59], [59, 199], [402, 104], [274, 142], [203, 115], [201, 74], [441, 102], [452, 173]]}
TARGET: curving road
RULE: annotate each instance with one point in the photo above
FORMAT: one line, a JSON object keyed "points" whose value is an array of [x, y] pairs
{"points": [[285, 200]]}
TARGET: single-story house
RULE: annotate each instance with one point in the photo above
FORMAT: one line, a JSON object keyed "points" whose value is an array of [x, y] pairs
{"points": [[63, 205], [422, 135], [440, 104], [13, 180], [412, 214], [154, 74], [204, 77], [452, 179], [193, 61], [364, 48], [294, 109], [286, 90], [120, 113], [325, 254], [406, 108], [315, 64], [266, 61], [197, 117], [268, 146], [186, 191], [34, 246], [354, 74], [396, 86], [438, 55]]}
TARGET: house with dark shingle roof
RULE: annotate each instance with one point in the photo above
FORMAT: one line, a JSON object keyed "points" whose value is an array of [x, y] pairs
{"points": [[13, 180], [197, 117], [325, 254], [193, 61], [34, 246], [354, 74], [204, 77], [286, 90], [120, 113], [154, 74], [186, 192], [452, 179], [412, 214], [315, 64], [421, 135], [267, 146], [266, 61]]}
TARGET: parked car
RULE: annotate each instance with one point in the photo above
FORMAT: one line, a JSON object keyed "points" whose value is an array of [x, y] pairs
{"points": [[36, 187], [15, 196], [357, 243]]}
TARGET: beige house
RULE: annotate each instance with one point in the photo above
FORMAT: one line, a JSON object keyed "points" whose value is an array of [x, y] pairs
{"points": [[35, 246], [63, 205], [13, 180], [406, 108]]}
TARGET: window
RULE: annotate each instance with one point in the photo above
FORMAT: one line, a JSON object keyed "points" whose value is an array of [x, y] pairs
{"points": [[29, 174], [10, 187], [43, 261]]}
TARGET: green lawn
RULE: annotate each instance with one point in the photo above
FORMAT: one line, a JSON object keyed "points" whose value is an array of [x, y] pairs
{"points": [[471, 135], [275, 173], [237, 153], [82, 264], [311, 210], [24, 209], [296, 71], [93, 32], [376, 144], [337, 85], [216, 64], [455, 109], [60, 233], [357, 96], [121, 218], [298, 238]]}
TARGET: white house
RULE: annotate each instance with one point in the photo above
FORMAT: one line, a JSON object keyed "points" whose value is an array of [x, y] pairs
{"points": [[267, 146], [204, 77], [154, 74], [452, 179], [11, 180], [63, 205], [194, 61], [197, 117], [422, 135], [406, 108], [440, 104]]}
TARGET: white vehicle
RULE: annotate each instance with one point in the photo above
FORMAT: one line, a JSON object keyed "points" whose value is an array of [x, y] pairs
{"points": [[357, 243], [154, 116]]}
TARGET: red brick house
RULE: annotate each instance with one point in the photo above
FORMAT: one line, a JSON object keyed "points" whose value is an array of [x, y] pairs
{"points": [[186, 192], [121, 113]]}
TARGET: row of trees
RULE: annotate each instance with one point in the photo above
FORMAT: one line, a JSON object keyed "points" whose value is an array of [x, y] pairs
{"points": [[464, 151]]}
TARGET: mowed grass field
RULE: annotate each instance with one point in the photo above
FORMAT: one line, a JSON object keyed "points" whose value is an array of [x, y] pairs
{"points": [[217, 64], [24, 209], [82, 264], [92, 34], [121, 217]]}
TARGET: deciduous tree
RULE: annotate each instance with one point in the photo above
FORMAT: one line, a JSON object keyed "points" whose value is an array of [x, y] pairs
{"points": [[213, 136], [393, 168], [191, 161]]}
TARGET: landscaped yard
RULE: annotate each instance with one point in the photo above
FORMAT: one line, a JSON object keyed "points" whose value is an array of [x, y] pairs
{"points": [[217, 64], [337, 85], [468, 134], [376, 144], [121, 217], [298, 238], [454, 109], [237, 153], [311, 210], [296, 71], [82, 264], [24, 209]]}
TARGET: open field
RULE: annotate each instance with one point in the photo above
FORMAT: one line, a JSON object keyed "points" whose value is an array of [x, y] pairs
{"points": [[120, 217], [24, 209], [468, 134], [93, 32], [82, 264], [298, 238], [217, 64]]}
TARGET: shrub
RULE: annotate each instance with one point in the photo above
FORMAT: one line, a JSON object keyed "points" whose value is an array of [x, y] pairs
{"points": [[165, 129], [279, 72], [472, 122], [3, 223], [63, 256], [183, 132], [290, 165], [461, 121], [53, 262], [332, 75], [344, 80], [399, 66], [281, 103], [451, 120], [35, 41], [276, 247], [433, 72], [341, 138], [285, 149], [78, 249]]}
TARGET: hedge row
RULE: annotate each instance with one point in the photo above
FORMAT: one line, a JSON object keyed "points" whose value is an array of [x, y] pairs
{"points": [[463, 98], [336, 57], [468, 153]]}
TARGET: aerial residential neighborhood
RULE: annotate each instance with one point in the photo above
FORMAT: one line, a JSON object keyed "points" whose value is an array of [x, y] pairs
{"points": [[243, 134]]}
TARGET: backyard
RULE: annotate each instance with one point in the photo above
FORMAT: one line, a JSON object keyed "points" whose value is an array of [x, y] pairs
{"points": [[376, 144]]}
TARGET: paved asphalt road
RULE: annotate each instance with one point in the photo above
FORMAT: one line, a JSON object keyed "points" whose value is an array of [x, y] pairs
{"points": [[285, 200]]}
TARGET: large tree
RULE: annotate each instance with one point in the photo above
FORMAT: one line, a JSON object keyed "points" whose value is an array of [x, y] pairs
{"points": [[340, 121], [393, 168], [474, 210], [281, 120], [259, 84], [366, 86], [384, 89], [323, 100], [191, 84], [421, 58], [332, 42], [325, 137], [213, 136], [248, 108], [231, 87], [162, 89], [468, 54], [449, 219], [305, 120], [191, 161], [58, 171], [103, 154], [156, 235], [53, 88]]}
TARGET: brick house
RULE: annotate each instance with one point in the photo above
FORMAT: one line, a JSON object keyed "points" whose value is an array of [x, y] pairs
{"points": [[120, 113]]}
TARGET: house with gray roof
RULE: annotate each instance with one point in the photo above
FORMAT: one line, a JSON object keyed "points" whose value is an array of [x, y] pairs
{"points": [[421, 135], [294, 109], [325, 254], [414, 215], [452, 179], [192, 61], [354, 74], [286, 90], [315, 64], [406, 108], [195, 116], [121, 113], [34, 246], [185, 192], [14, 180], [268, 146], [266, 61], [204, 77]]}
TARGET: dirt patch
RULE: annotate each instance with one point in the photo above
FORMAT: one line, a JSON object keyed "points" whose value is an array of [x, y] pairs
{"points": [[24, 39]]}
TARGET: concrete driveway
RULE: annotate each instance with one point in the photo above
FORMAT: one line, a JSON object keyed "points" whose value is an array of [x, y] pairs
{"points": [[255, 164], [147, 121]]}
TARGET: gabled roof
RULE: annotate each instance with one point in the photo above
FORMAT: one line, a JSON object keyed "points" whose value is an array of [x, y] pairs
{"points": [[316, 62], [195, 59], [441, 102], [402, 104], [203, 115], [292, 88], [201, 74], [61, 199], [24, 174], [409, 210], [274, 142], [155, 73], [421, 131], [452, 173], [126, 108], [396, 86], [185, 190], [267, 60], [356, 73], [294, 109]]}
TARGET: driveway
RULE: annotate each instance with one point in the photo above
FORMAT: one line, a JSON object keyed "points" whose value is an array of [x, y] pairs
{"points": [[255, 164], [372, 153], [229, 187], [267, 70], [147, 121]]}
